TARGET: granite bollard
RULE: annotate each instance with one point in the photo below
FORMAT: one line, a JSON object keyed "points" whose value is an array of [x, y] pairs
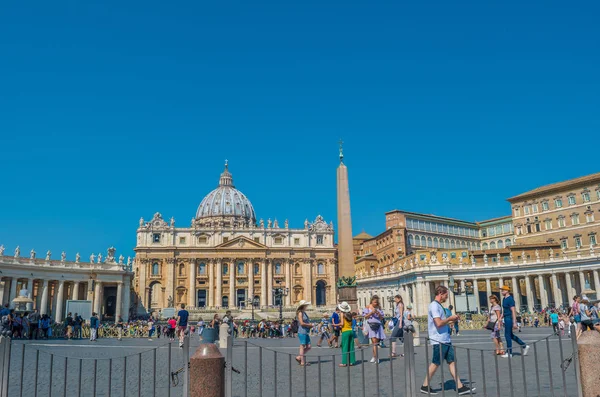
{"points": [[223, 333], [207, 372], [588, 346]]}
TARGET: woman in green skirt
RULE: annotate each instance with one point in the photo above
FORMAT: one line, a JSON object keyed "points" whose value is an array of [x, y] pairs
{"points": [[348, 357]]}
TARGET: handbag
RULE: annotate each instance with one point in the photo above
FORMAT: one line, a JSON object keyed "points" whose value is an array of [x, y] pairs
{"points": [[374, 326], [491, 325]]}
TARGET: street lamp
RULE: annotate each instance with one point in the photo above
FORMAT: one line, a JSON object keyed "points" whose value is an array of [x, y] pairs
{"points": [[280, 293], [457, 288], [390, 299], [253, 302]]}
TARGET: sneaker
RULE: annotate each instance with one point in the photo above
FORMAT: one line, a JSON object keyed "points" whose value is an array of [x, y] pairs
{"points": [[428, 390], [372, 360], [457, 334], [505, 355], [526, 350], [465, 390]]}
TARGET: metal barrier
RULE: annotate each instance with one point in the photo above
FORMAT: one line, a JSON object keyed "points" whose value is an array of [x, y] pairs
{"points": [[551, 370], [33, 369]]}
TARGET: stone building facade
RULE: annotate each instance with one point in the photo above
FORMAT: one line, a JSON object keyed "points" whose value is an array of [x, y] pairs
{"points": [[226, 258]]}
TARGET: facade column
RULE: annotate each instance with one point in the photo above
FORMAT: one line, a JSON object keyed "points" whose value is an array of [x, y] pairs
{"points": [[418, 304], [76, 290], [500, 282], [97, 297], [54, 300], [142, 267], [250, 297], [516, 292], [59, 301], [219, 293], [288, 283], [270, 282], [30, 293], [13, 291], [572, 291], [556, 292], [211, 284], [451, 297], [476, 294], [543, 291], [529, 290], [581, 282], [232, 297], [147, 299], [126, 298], [118, 309], [44, 304], [192, 287], [488, 288], [596, 283], [263, 283]]}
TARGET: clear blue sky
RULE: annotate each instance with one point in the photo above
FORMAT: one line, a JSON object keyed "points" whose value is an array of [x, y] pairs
{"points": [[114, 110]]}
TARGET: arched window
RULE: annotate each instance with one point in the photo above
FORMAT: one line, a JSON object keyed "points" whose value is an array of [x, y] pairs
{"points": [[240, 268], [256, 268], [277, 268], [429, 242], [411, 239], [225, 268], [484, 246], [463, 244], [447, 243], [452, 244], [493, 245], [435, 242], [202, 268], [155, 269], [508, 242], [181, 269], [500, 244], [320, 268]]}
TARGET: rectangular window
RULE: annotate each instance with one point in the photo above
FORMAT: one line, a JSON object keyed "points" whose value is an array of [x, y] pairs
{"points": [[519, 230], [278, 240], [181, 240], [526, 209], [558, 203], [296, 241], [156, 237], [593, 240], [517, 212], [537, 227], [578, 242], [319, 239], [491, 231], [545, 206], [572, 200], [586, 197], [589, 217], [548, 224], [202, 240], [535, 208], [561, 222], [499, 229], [225, 239], [598, 194], [575, 219], [257, 239], [563, 244]]}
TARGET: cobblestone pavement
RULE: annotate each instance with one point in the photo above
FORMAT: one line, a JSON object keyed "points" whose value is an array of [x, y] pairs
{"points": [[271, 362]]}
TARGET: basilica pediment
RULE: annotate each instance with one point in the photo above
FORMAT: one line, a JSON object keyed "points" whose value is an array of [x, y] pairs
{"points": [[241, 242]]}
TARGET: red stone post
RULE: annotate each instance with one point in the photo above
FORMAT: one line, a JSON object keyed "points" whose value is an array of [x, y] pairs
{"points": [[207, 372]]}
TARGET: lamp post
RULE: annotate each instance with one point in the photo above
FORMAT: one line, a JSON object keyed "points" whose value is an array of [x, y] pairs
{"points": [[280, 293], [252, 302], [458, 290]]}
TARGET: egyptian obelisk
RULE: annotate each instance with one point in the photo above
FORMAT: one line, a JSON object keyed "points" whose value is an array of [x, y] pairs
{"points": [[346, 280]]}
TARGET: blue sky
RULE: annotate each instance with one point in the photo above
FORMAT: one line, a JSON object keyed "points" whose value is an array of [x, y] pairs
{"points": [[114, 110]]}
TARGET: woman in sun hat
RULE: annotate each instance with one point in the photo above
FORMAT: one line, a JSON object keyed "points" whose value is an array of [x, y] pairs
{"points": [[348, 357], [304, 326], [374, 317]]}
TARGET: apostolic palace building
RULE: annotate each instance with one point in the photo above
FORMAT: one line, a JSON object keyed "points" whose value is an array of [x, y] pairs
{"points": [[545, 250], [228, 258]]}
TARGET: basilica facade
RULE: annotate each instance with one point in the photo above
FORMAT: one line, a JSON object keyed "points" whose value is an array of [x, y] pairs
{"points": [[226, 258]]}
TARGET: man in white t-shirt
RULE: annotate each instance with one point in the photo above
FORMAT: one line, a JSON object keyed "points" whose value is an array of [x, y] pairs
{"points": [[439, 338]]}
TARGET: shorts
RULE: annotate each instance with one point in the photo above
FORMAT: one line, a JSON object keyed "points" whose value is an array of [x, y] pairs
{"points": [[447, 354], [336, 332], [397, 332], [304, 339], [181, 328]]}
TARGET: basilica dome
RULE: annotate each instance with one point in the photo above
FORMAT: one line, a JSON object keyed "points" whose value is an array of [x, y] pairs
{"points": [[227, 202]]}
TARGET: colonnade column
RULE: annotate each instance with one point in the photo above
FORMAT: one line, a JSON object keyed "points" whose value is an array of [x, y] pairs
{"points": [[418, 306], [250, 296], [13, 290], [232, 297], [516, 292], [488, 288], [500, 282], [556, 292], [529, 290], [44, 304], [76, 290], [269, 282], [119, 300], [192, 288], [97, 297], [126, 297], [219, 293], [30, 291], [476, 293], [596, 283], [581, 282], [59, 301], [263, 283], [572, 291], [543, 291], [288, 283], [211, 283]]}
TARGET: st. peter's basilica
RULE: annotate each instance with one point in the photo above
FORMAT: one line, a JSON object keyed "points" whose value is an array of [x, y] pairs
{"points": [[225, 258]]}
